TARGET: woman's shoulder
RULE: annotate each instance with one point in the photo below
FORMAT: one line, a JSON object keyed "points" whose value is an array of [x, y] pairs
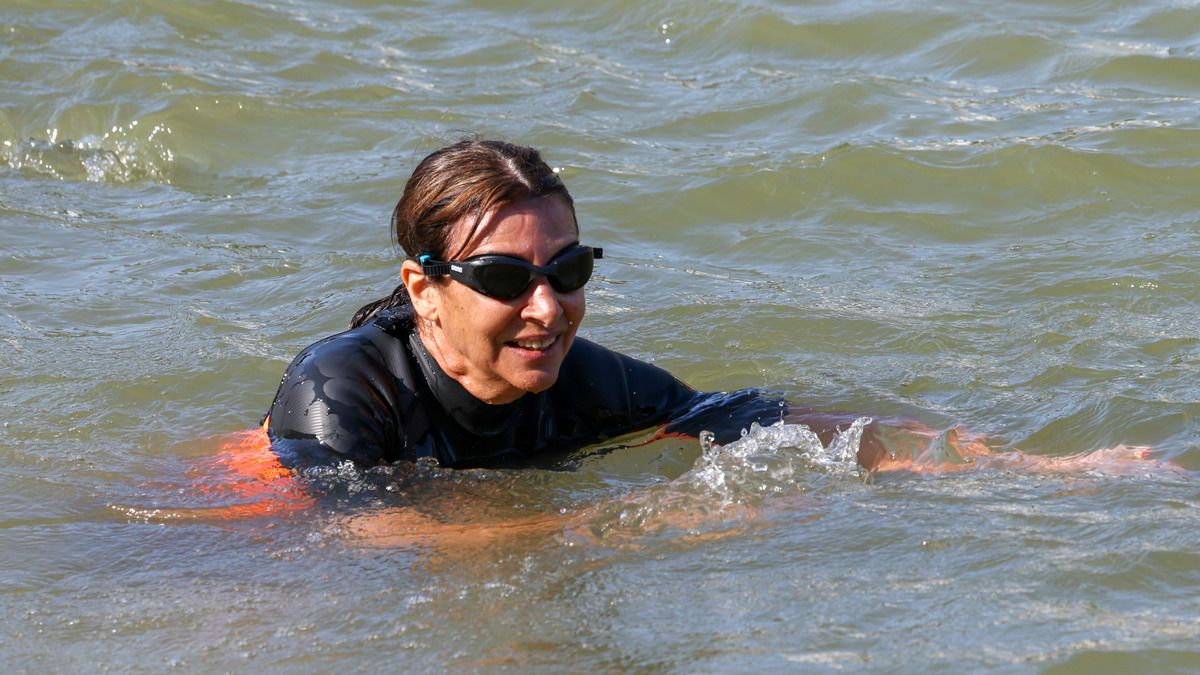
{"points": [[347, 393], [358, 367], [598, 376]]}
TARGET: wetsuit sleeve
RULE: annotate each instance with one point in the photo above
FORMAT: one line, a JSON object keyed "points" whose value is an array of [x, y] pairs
{"points": [[614, 394], [337, 400], [726, 414], [623, 394]]}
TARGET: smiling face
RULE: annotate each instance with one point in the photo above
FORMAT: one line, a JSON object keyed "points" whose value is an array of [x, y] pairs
{"points": [[499, 350]]}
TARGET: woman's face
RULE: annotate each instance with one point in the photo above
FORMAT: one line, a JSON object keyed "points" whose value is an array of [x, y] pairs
{"points": [[501, 349]]}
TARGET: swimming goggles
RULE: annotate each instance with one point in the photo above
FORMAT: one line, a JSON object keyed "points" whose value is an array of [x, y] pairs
{"points": [[505, 277]]}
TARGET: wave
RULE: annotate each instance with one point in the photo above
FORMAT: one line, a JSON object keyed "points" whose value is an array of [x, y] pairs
{"points": [[130, 153]]}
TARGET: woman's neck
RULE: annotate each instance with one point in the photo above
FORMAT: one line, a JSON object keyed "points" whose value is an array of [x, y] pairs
{"points": [[471, 412]]}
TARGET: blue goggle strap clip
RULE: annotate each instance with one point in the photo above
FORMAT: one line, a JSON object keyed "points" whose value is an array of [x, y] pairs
{"points": [[431, 267]]}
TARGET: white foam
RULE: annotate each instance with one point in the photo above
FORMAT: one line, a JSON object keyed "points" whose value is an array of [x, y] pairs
{"points": [[769, 459]]}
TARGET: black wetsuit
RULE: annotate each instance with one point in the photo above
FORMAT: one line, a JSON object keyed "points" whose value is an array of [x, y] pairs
{"points": [[373, 394]]}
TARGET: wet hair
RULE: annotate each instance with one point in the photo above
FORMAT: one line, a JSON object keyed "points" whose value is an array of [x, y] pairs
{"points": [[461, 182]]}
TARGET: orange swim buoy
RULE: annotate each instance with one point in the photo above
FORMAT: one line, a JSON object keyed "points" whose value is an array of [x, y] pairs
{"points": [[247, 471]]}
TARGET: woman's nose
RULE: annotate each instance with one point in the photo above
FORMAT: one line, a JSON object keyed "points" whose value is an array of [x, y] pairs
{"points": [[543, 305]]}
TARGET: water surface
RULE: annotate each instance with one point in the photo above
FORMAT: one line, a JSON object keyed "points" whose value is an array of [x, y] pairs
{"points": [[980, 213]]}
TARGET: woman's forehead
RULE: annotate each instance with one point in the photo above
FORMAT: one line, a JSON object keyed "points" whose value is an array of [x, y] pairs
{"points": [[518, 227]]}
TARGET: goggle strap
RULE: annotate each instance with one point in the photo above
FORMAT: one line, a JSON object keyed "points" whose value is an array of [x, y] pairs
{"points": [[431, 267], [435, 269]]}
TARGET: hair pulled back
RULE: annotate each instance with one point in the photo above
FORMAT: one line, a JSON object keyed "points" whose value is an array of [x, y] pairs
{"points": [[462, 182]]}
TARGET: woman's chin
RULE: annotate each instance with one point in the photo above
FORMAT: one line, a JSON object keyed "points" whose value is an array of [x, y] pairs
{"points": [[534, 371], [535, 381]]}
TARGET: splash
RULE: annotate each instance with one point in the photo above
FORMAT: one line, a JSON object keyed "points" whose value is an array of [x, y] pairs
{"points": [[123, 154], [772, 458], [729, 483]]}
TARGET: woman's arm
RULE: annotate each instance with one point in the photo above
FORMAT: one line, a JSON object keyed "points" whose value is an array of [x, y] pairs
{"points": [[903, 445]]}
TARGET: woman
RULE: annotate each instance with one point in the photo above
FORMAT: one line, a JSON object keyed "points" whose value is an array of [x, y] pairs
{"points": [[474, 359]]}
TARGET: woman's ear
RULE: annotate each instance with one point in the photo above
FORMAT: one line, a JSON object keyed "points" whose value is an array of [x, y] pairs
{"points": [[422, 290]]}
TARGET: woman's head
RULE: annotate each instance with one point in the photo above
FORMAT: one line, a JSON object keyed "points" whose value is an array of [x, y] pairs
{"points": [[449, 193], [489, 198]]}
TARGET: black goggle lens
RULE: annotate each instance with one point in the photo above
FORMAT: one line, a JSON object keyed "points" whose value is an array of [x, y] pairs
{"points": [[502, 279], [505, 278]]}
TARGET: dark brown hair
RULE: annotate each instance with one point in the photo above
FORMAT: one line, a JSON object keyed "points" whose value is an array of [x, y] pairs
{"points": [[465, 180]]}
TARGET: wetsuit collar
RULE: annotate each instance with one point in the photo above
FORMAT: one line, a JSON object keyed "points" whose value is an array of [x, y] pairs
{"points": [[476, 416]]}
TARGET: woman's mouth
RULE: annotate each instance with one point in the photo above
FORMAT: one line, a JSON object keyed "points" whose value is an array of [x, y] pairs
{"points": [[539, 345]]}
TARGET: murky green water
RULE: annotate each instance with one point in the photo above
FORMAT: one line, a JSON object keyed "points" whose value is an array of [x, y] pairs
{"points": [[984, 213]]}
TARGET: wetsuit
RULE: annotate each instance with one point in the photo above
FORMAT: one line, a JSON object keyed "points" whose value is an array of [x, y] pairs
{"points": [[374, 394]]}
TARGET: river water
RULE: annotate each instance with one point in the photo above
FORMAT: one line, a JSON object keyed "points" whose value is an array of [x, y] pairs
{"points": [[983, 214]]}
